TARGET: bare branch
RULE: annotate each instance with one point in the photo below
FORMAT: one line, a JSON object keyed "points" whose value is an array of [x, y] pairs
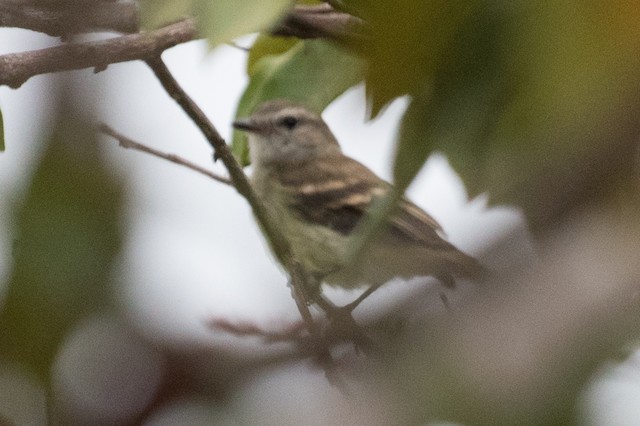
{"points": [[66, 19], [127, 143], [321, 21], [16, 68], [303, 21], [222, 151]]}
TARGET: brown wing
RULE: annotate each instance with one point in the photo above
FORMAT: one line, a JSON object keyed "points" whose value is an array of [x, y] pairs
{"points": [[337, 194], [333, 193], [412, 223]]}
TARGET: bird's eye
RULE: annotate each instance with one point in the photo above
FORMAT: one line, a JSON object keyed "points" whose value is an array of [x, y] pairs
{"points": [[289, 122]]}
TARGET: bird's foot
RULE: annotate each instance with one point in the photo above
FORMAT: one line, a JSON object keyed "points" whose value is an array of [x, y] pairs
{"points": [[342, 326]]}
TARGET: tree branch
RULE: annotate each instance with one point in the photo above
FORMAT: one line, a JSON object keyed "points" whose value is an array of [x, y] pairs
{"points": [[16, 68], [127, 143], [66, 19], [276, 240], [321, 21]]}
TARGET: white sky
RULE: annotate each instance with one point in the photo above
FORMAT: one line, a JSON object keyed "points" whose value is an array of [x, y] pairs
{"points": [[193, 251]]}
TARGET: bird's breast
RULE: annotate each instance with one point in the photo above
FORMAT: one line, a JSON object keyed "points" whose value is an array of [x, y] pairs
{"points": [[318, 247]]}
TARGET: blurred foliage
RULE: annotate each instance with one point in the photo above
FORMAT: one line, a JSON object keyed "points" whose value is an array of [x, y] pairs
{"points": [[312, 72], [522, 90], [219, 21], [222, 20], [66, 238], [155, 13], [455, 112], [408, 42]]}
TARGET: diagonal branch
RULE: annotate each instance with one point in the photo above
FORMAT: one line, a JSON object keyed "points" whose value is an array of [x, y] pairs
{"points": [[276, 240]]}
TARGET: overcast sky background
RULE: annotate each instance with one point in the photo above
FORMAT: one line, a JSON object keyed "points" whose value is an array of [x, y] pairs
{"points": [[193, 251]]}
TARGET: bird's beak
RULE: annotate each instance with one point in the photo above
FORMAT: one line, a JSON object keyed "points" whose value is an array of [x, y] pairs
{"points": [[247, 125]]}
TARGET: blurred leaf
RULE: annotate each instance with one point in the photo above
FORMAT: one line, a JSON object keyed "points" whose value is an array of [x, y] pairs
{"points": [[312, 72], [155, 13], [1, 132], [575, 101], [456, 114], [224, 20], [266, 45], [67, 236], [534, 103], [568, 312], [219, 21], [407, 41]]}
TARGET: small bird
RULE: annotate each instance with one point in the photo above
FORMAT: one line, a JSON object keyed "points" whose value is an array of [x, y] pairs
{"points": [[317, 196]]}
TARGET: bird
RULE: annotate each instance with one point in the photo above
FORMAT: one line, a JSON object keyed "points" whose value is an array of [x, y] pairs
{"points": [[317, 196]]}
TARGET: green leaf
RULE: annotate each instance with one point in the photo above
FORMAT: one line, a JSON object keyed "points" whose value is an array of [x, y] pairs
{"points": [[312, 72], [223, 20], [1, 132], [266, 45], [155, 13], [218, 21]]}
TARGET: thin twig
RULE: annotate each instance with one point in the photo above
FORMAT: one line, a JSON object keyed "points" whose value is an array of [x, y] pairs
{"points": [[237, 46], [291, 334], [128, 143]]}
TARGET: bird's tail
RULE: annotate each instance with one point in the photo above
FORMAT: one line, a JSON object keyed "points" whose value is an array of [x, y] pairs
{"points": [[469, 267], [459, 264]]}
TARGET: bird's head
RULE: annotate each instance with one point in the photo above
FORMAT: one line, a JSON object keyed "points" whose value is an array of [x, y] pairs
{"points": [[281, 131]]}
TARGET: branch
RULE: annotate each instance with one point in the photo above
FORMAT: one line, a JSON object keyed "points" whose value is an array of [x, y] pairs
{"points": [[321, 21], [16, 68], [278, 243], [66, 19], [127, 143], [295, 333], [303, 21]]}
